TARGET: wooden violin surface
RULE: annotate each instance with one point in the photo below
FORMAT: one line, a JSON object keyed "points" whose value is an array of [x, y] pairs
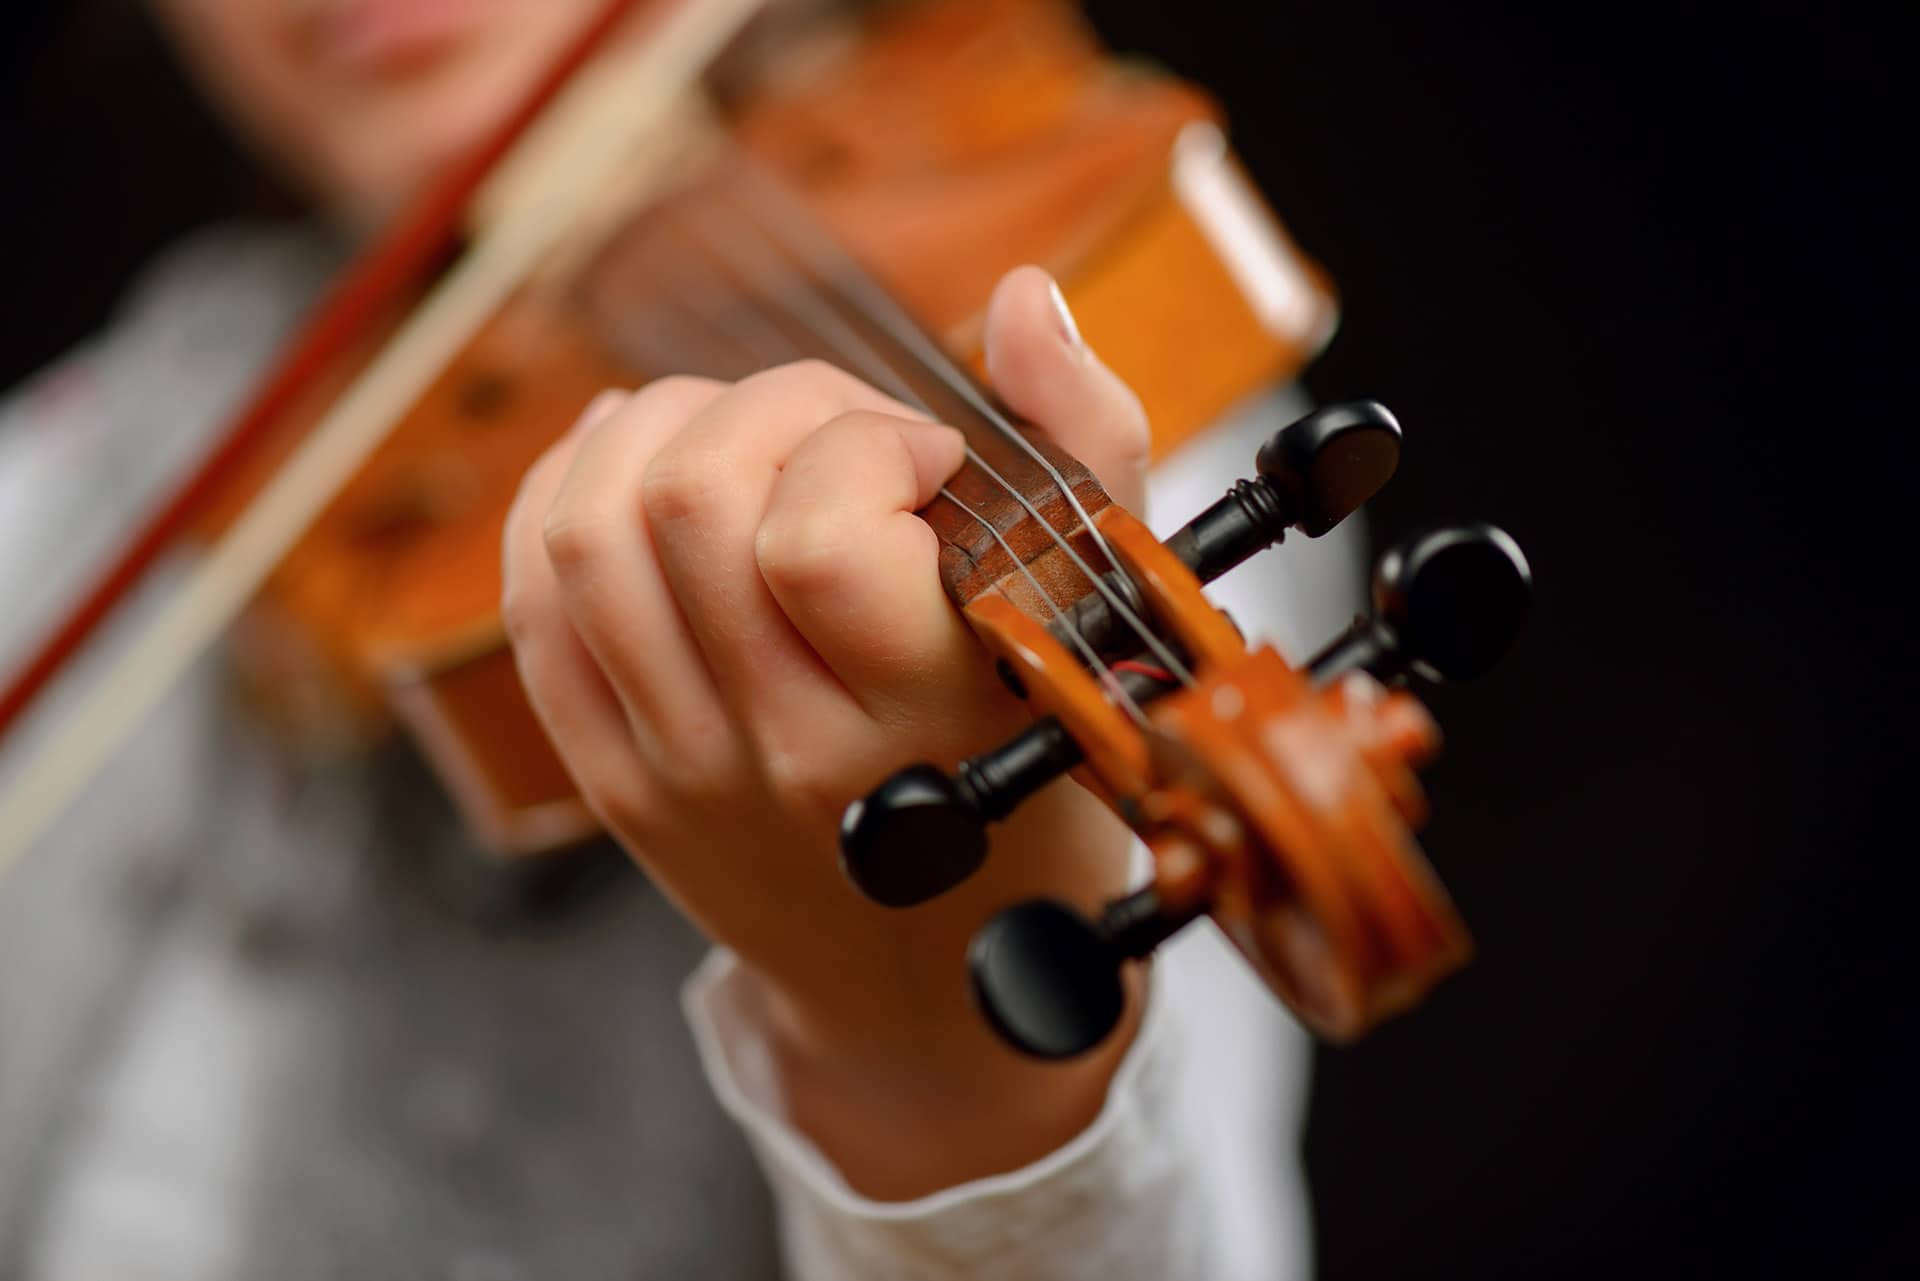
{"points": [[951, 144]]}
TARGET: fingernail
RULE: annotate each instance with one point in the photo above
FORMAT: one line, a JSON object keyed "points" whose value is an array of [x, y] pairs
{"points": [[1069, 331]]}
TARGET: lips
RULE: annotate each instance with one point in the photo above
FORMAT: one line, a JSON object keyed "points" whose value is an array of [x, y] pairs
{"points": [[384, 36]]}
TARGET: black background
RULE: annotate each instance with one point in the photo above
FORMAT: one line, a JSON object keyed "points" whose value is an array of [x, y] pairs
{"points": [[1625, 273], [1628, 276]]}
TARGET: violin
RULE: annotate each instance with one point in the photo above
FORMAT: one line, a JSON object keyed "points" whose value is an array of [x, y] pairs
{"points": [[636, 224]]}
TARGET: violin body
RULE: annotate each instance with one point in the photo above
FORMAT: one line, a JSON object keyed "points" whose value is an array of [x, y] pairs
{"points": [[946, 145]]}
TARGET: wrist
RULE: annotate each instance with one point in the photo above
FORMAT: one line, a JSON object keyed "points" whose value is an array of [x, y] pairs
{"points": [[888, 1064], [895, 981], [905, 1112]]}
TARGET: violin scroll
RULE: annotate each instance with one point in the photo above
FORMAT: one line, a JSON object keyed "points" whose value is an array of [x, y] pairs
{"points": [[1049, 980]]}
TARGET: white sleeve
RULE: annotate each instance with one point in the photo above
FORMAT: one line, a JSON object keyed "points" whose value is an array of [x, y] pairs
{"points": [[1117, 1202]]}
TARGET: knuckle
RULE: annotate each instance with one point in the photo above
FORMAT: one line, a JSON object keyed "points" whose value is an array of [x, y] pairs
{"points": [[800, 552], [677, 486], [862, 432], [576, 540], [811, 382], [802, 780], [814, 374]]}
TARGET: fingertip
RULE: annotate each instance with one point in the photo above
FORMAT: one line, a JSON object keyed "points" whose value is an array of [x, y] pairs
{"points": [[1048, 375], [1027, 317], [937, 451], [603, 404], [934, 452]]}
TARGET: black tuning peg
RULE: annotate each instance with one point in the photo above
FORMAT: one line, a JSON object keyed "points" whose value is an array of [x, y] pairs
{"points": [[1313, 474], [921, 833], [1447, 604], [913, 838], [1049, 980]]}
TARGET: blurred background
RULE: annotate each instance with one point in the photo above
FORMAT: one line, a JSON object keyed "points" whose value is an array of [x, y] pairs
{"points": [[1628, 277]]}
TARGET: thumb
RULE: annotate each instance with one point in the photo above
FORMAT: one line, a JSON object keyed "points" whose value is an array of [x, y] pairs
{"points": [[1047, 374]]}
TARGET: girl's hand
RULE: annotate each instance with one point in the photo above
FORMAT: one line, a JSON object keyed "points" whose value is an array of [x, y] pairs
{"points": [[731, 623]]}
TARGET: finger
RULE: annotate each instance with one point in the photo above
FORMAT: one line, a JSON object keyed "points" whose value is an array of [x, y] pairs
{"points": [[609, 578], [1039, 364], [705, 495], [603, 404], [850, 564], [575, 705]]}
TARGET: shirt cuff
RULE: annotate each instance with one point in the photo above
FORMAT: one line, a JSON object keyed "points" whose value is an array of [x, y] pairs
{"points": [[1112, 1202]]}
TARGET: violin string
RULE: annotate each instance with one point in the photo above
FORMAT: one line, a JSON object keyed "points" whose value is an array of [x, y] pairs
{"points": [[840, 338], [1095, 664], [751, 257], [745, 328], [1152, 642], [752, 260], [829, 261], [876, 306]]}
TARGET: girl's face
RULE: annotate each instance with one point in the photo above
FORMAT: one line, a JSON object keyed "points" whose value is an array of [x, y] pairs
{"points": [[362, 100]]}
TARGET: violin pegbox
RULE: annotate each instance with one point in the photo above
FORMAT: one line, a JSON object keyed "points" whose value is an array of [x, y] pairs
{"points": [[1278, 800], [922, 832]]}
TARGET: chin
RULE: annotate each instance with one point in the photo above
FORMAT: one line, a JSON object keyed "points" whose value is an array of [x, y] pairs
{"points": [[373, 182], [392, 137]]}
